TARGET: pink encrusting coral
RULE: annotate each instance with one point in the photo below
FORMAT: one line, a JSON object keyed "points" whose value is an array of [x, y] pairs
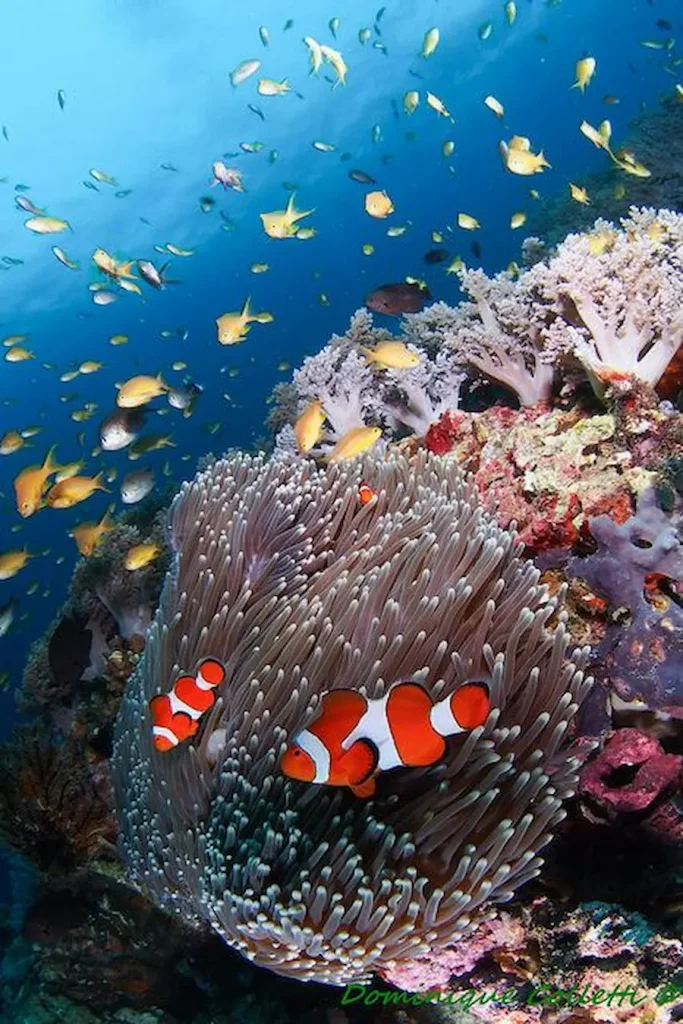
{"points": [[615, 295]]}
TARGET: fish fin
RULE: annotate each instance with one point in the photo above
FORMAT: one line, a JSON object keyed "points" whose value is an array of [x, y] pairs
{"points": [[246, 310], [49, 466], [368, 353], [470, 705], [365, 789], [160, 708], [99, 486], [359, 762]]}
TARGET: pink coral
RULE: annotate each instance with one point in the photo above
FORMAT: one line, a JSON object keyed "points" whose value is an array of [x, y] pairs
{"points": [[616, 295]]}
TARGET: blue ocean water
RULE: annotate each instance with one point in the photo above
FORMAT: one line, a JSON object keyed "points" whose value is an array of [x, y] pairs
{"points": [[146, 83]]}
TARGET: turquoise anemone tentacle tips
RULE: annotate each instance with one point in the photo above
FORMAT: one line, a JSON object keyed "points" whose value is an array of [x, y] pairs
{"points": [[297, 589]]}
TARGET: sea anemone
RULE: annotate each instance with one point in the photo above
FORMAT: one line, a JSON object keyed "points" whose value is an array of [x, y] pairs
{"points": [[281, 573]]}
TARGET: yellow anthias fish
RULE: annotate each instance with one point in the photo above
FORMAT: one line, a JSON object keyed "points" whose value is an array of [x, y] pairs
{"points": [[31, 483], [305, 234], [627, 162], [111, 266], [337, 61], [391, 355], [467, 222], [65, 472], [510, 12], [308, 428], [140, 390], [411, 101], [436, 104], [519, 159], [518, 220], [259, 268], [315, 54], [495, 105], [585, 69], [46, 225], [283, 223], [456, 265], [579, 194], [18, 354], [118, 339], [600, 136], [430, 42], [267, 87], [140, 556], [74, 490], [355, 442], [150, 443], [378, 204], [102, 177], [90, 366], [89, 535], [11, 562], [234, 327], [601, 241], [11, 442]]}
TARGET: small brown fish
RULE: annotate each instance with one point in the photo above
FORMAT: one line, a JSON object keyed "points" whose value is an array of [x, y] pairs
{"points": [[395, 299]]}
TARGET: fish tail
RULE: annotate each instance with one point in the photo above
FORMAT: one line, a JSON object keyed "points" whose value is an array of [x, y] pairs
{"points": [[97, 483]]}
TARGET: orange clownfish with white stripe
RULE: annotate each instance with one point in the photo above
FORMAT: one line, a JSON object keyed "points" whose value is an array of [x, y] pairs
{"points": [[366, 494], [354, 738], [175, 715]]}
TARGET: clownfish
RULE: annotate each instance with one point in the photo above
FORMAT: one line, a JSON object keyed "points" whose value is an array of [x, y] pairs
{"points": [[353, 738], [175, 715], [366, 494]]}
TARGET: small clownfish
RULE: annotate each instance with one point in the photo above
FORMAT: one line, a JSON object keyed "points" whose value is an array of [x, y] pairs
{"points": [[353, 738], [175, 715], [366, 495]]}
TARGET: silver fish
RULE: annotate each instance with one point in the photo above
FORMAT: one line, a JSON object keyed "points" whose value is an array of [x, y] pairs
{"points": [[120, 428], [150, 274], [136, 486], [7, 616], [185, 397]]}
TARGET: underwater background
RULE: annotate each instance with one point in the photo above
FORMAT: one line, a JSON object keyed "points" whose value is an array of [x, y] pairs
{"points": [[140, 92]]}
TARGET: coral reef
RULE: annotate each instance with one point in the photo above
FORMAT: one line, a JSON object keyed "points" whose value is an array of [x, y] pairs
{"points": [[298, 588], [50, 808]]}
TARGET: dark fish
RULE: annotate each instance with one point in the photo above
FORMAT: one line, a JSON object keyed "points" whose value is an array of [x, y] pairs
{"points": [[362, 177], [120, 428], [91, 185], [11, 261], [395, 110], [664, 24], [22, 188], [185, 397], [123, 193], [394, 299], [68, 649], [476, 249], [288, 25], [256, 110], [436, 256], [416, 74], [61, 98], [168, 167], [143, 220], [4, 132], [291, 186]]}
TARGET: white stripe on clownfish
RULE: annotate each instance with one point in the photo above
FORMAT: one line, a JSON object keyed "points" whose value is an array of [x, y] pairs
{"points": [[179, 706], [374, 725], [318, 752]]}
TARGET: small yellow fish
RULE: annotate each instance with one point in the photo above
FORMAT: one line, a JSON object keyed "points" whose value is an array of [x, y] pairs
{"points": [[513, 270], [67, 471], [456, 265], [304, 234], [140, 556], [14, 339], [679, 92], [18, 354], [627, 162], [149, 443], [447, 149], [411, 101], [259, 268], [467, 222], [102, 177], [234, 327], [430, 42], [63, 258], [267, 87], [600, 137], [90, 366], [46, 225], [391, 355], [510, 12], [534, 193], [68, 376], [74, 490], [112, 267], [495, 105], [140, 390], [619, 190], [308, 428], [31, 483], [518, 220], [519, 159], [89, 535], [315, 54], [378, 204], [601, 241], [397, 231], [175, 250], [283, 223], [355, 442], [179, 364], [11, 442], [436, 104], [579, 194], [367, 249], [11, 562], [118, 339], [585, 69], [335, 58]]}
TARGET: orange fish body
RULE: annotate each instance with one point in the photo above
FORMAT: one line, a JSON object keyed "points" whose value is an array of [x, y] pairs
{"points": [[31, 484], [353, 738], [366, 494], [176, 715]]}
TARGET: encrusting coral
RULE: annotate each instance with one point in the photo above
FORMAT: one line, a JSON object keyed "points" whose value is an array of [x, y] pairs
{"points": [[299, 589]]}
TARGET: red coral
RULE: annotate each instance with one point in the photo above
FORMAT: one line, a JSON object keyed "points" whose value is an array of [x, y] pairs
{"points": [[441, 436], [632, 776]]}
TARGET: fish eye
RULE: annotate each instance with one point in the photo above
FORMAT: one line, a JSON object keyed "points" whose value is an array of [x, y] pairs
{"points": [[296, 753]]}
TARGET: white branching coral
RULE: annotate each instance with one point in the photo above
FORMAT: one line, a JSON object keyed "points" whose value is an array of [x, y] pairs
{"points": [[341, 379], [617, 295], [498, 334], [424, 392]]}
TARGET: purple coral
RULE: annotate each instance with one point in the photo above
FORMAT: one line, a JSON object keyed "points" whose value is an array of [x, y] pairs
{"points": [[635, 564], [617, 295]]}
